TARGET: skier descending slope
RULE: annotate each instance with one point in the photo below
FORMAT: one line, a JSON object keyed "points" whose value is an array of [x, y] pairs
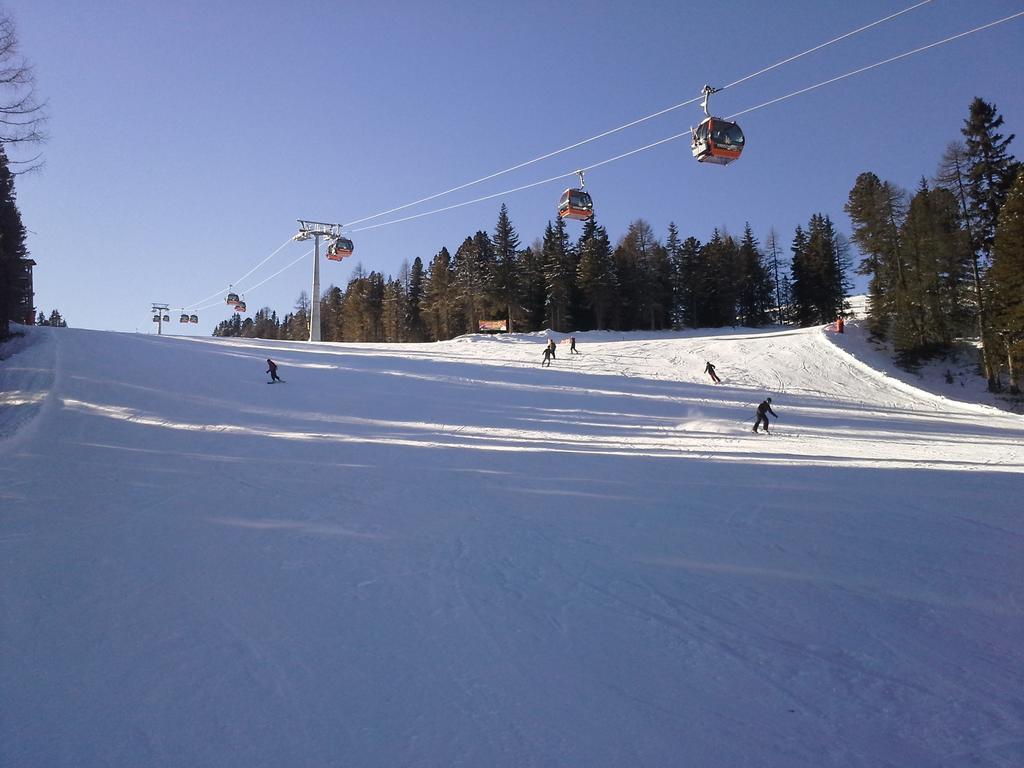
{"points": [[272, 370], [762, 414], [710, 370]]}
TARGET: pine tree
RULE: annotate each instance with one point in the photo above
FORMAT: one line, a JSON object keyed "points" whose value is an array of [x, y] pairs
{"points": [[1007, 281], [12, 252], [331, 308], [990, 173], [506, 277], [394, 311], [473, 265], [534, 306], [632, 282], [710, 292], [558, 276], [877, 209], [265, 324], [230, 328], [829, 251], [991, 169], [440, 301], [843, 270], [952, 175], [780, 280], [717, 281], [483, 248], [803, 279], [920, 272], [374, 306], [356, 313], [645, 278], [754, 285], [298, 326], [687, 281], [284, 327], [661, 303], [938, 259], [595, 274], [415, 328], [818, 286], [674, 250]]}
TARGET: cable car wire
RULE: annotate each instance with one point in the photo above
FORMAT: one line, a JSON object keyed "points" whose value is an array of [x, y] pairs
{"points": [[282, 269], [630, 124], [219, 294], [279, 249], [823, 45], [251, 288], [879, 64], [687, 132]]}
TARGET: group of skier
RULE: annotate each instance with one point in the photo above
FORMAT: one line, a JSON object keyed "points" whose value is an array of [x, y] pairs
{"points": [[762, 410], [549, 354], [549, 351], [709, 368]]}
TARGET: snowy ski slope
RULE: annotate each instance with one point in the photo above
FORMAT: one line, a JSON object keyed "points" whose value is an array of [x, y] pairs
{"points": [[444, 554]]}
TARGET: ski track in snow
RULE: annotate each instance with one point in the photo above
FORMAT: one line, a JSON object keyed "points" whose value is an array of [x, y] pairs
{"points": [[444, 554]]}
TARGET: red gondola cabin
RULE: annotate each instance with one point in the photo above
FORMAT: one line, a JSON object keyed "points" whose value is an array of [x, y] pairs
{"points": [[717, 141], [339, 249], [575, 204]]}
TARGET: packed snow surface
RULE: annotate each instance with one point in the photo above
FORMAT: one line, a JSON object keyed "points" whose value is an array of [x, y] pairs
{"points": [[446, 555]]}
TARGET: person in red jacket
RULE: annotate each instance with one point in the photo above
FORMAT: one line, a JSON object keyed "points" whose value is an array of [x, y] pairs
{"points": [[272, 370]]}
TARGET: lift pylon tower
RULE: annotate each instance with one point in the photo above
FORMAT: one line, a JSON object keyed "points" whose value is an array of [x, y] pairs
{"points": [[316, 230], [158, 315]]}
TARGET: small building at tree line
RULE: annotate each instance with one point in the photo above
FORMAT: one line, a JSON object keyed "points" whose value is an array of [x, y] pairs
{"points": [[19, 297], [22, 306]]}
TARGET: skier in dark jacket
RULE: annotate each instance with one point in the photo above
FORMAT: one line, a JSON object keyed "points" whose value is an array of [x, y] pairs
{"points": [[551, 348], [272, 370], [710, 370], [572, 346], [762, 414], [547, 358]]}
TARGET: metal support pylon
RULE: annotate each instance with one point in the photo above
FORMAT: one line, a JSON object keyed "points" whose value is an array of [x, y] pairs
{"points": [[316, 230]]}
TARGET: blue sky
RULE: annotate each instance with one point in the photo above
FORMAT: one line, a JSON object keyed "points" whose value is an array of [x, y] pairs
{"points": [[186, 139]]}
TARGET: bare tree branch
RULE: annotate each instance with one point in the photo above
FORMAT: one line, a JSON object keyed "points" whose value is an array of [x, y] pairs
{"points": [[22, 115]]}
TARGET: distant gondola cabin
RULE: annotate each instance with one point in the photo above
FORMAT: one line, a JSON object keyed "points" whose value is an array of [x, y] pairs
{"points": [[575, 204], [193, 318], [240, 306], [717, 141], [183, 319], [339, 249], [232, 298]]}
